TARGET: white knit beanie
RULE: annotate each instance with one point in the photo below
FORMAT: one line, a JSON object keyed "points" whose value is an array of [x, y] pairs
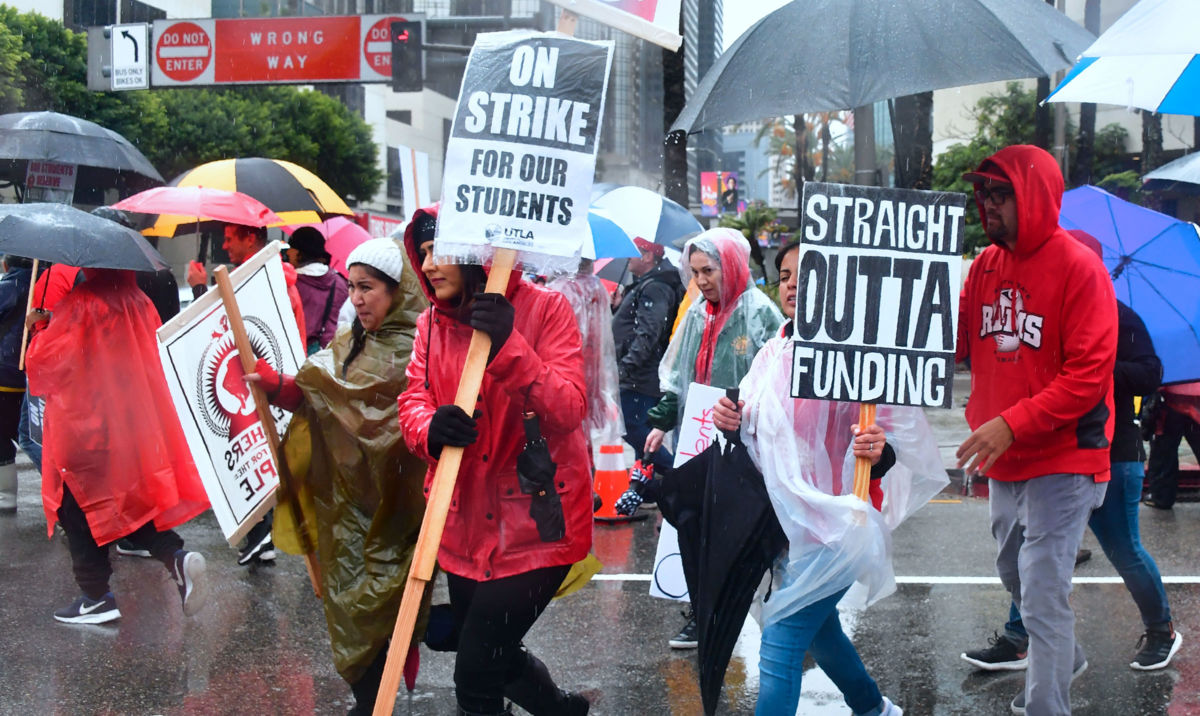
{"points": [[383, 254]]}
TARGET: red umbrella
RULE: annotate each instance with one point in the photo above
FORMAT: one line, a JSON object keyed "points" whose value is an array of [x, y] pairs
{"points": [[193, 204], [341, 237]]}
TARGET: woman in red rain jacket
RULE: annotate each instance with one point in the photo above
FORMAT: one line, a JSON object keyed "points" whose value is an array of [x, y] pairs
{"points": [[500, 573], [115, 460]]}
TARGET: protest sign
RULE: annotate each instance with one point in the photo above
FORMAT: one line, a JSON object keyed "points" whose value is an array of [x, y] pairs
{"points": [[655, 21], [877, 295], [696, 433], [218, 413], [522, 151]]}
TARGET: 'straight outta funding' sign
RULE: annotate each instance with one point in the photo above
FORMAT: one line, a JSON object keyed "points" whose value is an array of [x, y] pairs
{"points": [[522, 152], [877, 296]]}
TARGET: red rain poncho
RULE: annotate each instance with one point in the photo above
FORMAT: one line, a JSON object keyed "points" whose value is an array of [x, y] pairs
{"points": [[112, 434]]}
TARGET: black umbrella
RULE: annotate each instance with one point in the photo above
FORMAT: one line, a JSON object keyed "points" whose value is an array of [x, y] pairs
{"points": [[105, 158], [728, 537], [63, 234], [822, 55]]}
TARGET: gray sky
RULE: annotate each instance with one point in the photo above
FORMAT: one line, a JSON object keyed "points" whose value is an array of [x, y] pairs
{"points": [[741, 14]]}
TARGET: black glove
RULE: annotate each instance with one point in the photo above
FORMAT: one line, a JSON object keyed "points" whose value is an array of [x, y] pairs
{"points": [[450, 426], [632, 498], [493, 314]]}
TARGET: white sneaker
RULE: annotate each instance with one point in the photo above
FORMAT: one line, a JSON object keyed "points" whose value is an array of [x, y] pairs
{"points": [[890, 709], [8, 487]]}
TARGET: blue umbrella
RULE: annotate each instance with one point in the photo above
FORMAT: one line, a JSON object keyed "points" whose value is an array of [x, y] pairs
{"points": [[609, 241], [1154, 260]]}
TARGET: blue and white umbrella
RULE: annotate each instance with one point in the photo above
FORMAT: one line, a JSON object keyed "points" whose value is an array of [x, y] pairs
{"points": [[1147, 59], [648, 215], [609, 240]]}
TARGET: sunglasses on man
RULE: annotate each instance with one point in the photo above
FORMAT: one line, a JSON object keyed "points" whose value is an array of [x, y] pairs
{"points": [[997, 195]]}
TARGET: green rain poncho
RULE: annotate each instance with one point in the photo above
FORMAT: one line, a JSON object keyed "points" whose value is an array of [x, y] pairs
{"points": [[715, 343], [361, 490]]}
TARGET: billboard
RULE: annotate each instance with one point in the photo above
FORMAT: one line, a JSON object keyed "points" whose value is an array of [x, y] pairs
{"points": [[720, 193]]}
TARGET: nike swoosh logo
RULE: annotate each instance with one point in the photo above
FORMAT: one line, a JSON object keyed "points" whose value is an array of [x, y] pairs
{"points": [[89, 610]]}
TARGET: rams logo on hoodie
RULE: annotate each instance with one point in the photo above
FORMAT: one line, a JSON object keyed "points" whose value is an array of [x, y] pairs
{"points": [[1008, 323]]}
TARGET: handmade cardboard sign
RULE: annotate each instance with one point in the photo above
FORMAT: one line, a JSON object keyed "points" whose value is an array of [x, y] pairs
{"points": [[877, 297], [216, 408], [522, 151], [696, 433]]}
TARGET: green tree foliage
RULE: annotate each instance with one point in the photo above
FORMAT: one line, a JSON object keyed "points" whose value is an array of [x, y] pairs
{"points": [[43, 66], [757, 218]]}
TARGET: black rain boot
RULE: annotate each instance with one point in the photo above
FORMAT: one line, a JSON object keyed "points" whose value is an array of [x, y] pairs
{"points": [[535, 691]]}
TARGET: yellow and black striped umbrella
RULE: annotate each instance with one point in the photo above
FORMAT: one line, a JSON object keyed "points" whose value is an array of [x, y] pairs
{"points": [[294, 193]]}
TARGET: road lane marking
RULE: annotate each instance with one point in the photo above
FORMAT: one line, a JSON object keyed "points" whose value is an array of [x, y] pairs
{"points": [[932, 580]]}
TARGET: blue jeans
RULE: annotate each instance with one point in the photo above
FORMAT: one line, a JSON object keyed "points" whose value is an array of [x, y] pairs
{"points": [[1115, 525], [634, 407], [814, 629], [32, 449]]}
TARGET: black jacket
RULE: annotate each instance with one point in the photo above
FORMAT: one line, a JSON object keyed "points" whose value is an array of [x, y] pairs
{"points": [[14, 287], [1137, 371], [642, 327]]}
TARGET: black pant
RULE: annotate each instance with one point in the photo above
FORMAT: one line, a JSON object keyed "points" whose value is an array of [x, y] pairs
{"points": [[10, 420], [492, 618], [366, 689], [89, 560], [1163, 465]]}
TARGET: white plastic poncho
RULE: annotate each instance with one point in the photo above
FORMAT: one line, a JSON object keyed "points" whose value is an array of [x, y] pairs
{"points": [[589, 300], [716, 344], [803, 449]]}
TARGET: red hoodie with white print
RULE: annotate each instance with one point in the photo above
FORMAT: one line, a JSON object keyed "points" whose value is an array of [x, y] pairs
{"points": [[1039, 326]]}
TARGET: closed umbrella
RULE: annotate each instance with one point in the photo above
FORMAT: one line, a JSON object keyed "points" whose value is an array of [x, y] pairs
{"points": [[1149, 58], [822, 55], [105, 158], [1154, 261], [294, 193], [66, 235]]}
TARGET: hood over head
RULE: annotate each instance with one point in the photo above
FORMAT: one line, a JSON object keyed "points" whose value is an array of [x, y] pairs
{"points": [[422, 228], [1037, 186], [731, 251]]}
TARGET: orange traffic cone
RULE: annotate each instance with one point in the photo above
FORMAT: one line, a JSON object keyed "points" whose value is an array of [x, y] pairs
{"points": [[610, 482]]}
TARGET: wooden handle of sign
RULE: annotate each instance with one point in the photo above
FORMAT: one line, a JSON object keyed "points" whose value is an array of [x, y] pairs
{"points": [[246, 354], [862, 466], [425, 555], [28, 306]]}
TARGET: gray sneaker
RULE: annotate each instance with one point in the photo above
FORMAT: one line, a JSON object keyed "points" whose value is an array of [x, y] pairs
{"points": [[1018, 703]]}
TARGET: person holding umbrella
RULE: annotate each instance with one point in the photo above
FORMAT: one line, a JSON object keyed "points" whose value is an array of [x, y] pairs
{"points": [[513, 529], [116, 461], [361, 486], [242, 242], [806, 451], [716, 341]]}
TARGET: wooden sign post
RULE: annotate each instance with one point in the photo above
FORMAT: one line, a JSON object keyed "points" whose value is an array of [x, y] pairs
{"points": [[246, 354]]}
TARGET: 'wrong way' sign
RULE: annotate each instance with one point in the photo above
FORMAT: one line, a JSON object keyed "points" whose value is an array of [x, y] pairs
{"points": [[291, 50]]}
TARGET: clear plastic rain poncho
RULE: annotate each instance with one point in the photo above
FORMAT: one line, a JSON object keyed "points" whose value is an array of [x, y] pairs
{"points": [[716, 344], [803, 448], [589, 301]]}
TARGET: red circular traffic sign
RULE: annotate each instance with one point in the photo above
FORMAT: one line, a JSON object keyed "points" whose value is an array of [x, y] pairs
{"points": [[183, 51], [377, 45]]}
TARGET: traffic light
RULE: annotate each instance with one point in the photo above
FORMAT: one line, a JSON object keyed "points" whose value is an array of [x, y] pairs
{"points": [[407, 64]]}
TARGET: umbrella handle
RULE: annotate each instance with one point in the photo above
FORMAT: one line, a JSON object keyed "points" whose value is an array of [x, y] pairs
{"points": [[733, 436]]}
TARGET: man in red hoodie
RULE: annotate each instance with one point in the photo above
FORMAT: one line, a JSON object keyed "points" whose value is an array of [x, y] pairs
{"points": [[242, 242], [1038, 324]]}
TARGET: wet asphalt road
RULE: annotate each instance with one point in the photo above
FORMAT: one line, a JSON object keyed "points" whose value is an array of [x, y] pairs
{"points": [[260, 647]]}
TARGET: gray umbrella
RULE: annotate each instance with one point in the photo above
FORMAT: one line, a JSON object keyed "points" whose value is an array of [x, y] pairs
{"points": [[1184, 169], [66, 235], [105, 158], [823, 55]]}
